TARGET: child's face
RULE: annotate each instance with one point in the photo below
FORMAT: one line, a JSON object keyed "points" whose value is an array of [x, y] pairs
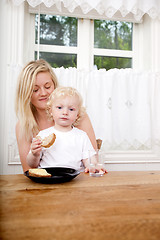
{"points": [[64, 111]]}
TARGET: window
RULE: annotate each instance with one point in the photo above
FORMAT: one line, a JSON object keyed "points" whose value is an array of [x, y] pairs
{"points": [[83, 43], [112, 35], [57, 35]]}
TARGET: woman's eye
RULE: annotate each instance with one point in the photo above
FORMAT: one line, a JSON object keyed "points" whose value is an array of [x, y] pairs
{"points": [[47, 87], [35, 90]]}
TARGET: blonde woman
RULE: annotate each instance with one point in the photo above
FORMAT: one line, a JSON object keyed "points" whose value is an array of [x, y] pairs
{"points": [[36, 83], [72, 145]]}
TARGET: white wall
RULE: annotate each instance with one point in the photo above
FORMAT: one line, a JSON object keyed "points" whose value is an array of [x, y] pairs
{"points": [[16, 36]]}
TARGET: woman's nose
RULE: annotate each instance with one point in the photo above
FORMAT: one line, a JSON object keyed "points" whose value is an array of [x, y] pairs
{"points": [[43, 91]]}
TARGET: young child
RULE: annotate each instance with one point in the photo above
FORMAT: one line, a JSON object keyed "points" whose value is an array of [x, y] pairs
{"points": [[72, 145]]}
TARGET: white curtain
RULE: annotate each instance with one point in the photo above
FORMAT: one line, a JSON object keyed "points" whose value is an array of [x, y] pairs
{"points": [[123, 105], [130, 9]]}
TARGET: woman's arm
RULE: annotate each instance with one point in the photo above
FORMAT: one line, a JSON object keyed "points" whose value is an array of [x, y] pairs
{"points": [[86, 126], [23, 147]]}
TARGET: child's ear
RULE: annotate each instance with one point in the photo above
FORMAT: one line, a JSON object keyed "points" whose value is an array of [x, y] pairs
{"points": [[77, 116], [49, 113]]}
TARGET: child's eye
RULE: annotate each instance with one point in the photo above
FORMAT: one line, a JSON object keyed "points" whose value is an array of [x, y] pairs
{"points": [[59, 107], [71, 109]]}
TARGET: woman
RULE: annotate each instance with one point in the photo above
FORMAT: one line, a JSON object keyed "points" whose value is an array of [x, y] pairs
{"points": [[36, 82]]}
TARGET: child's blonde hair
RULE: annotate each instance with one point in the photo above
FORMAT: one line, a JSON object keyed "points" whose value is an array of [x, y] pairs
{"points": [[25, 111], [63, 92]]}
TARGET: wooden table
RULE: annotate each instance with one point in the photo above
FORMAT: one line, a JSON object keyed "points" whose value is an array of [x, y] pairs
{"points": [[119, 205]]}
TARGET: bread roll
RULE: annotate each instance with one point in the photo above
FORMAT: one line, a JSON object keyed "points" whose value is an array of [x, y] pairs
{"points": [[47, 141], [38, 172]]}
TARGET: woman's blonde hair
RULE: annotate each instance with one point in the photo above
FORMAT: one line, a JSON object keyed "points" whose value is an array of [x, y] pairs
{"points": [[63, 92], [25, 111]]}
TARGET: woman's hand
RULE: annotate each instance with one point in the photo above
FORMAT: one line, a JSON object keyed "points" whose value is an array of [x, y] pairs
{"points": [[97, 169], [103, 170]]}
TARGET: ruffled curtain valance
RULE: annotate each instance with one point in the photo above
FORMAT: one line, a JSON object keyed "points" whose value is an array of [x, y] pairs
{"points": [[130, 10]]}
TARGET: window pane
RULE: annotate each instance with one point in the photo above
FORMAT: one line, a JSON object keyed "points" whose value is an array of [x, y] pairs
{"points": [[112, 62], [56, 30], [113, 35], [59, 59]]}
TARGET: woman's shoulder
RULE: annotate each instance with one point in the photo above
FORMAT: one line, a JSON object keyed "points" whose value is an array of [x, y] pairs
{"points": [[21, 138], [17, 125]]}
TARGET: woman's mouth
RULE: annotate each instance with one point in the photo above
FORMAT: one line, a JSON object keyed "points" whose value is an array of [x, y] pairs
{"points": [[43, 99]]}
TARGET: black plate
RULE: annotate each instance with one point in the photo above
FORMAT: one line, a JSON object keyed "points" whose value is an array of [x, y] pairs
{"points": [[59, 175]]}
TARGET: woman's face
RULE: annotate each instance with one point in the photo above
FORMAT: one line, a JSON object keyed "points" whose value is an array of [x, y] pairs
{"points": [[43, 87]]}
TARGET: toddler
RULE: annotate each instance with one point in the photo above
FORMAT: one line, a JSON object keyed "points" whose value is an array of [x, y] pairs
{"points": [[72, 145]]}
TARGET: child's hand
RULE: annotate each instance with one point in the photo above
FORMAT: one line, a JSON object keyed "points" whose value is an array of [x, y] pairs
{"points": [[36, 147]]}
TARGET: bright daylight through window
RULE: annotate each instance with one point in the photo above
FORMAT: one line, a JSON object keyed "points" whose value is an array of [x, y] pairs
{"points": [[59, 31], [58, 42], [112, 35]]}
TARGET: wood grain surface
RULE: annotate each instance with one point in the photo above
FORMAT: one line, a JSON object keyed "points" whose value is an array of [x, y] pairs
{"points": [[117, 206]]}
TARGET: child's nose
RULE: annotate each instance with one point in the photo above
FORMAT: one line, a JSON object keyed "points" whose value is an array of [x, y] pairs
{"points": [[65, 111]]}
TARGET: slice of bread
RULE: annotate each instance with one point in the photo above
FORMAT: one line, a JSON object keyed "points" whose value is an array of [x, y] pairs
{"points": [[38, 172], [47, 141]]}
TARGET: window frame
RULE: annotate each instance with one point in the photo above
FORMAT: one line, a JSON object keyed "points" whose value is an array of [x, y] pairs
{"points": [[85, 49]]}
